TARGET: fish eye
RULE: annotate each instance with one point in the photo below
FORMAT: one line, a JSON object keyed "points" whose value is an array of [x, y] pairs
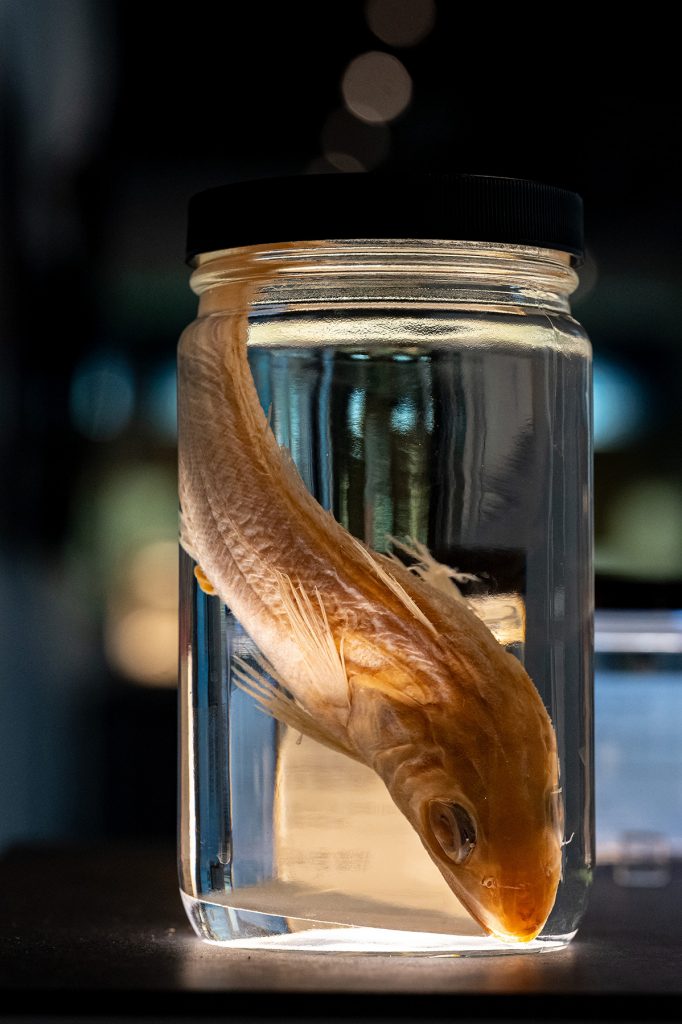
{"points": [[454, 829]]}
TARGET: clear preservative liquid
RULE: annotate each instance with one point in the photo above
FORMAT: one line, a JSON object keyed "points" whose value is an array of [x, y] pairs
{"points": [[470, 437]]}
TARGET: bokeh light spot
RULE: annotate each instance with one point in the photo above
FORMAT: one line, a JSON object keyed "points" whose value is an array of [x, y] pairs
{"points": [[141, 631], [320, 165], [643, 536], [142, 645], [345, 162], [352, 145], [160, 401], [152, 576], [401, 22], [619, 405], [102, 396], [376, 87]]}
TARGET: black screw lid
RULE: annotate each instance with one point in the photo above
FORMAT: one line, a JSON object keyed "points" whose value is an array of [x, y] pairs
{"points": [[464, 207]]}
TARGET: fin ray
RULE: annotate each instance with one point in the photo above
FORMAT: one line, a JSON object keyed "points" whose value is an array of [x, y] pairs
{"points": [[442, 577], [310, 627], [393, 585], [257, 682]]}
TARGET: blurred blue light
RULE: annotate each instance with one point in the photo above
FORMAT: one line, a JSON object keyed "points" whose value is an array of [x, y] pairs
{"points": [[160, 401], [619, 405], [102, 396]]}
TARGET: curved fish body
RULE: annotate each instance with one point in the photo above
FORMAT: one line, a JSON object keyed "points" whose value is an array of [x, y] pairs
{"points": [[367, 657]]}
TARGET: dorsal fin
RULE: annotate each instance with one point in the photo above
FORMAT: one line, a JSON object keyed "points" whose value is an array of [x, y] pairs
{"points": [[393, 585], [427, 568]]}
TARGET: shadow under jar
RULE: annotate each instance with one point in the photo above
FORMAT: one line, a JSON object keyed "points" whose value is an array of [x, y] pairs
{"points": [[365, 765]]}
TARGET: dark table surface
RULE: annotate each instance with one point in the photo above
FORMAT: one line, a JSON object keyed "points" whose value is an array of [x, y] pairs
{"points": [[101, 932]]}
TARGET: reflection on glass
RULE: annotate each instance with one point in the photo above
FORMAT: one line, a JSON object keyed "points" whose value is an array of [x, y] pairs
{"points": [[638, 722]]}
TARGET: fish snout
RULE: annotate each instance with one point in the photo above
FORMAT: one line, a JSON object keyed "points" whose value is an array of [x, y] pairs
{"points": [[520, 905]]}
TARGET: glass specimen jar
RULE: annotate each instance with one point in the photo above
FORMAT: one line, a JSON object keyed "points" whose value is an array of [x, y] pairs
{"points": [[386, 567]]}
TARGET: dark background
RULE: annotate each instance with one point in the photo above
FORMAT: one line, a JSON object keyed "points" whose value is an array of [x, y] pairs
{"points": [[112, 114]]}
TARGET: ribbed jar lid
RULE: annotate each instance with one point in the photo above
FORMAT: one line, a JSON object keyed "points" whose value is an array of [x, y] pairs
{"points": [[312, 207]]}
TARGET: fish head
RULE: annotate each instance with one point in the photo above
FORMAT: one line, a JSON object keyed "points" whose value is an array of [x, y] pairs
{"points": [[484, 797], [504, 870], [477, 776], [492, 820]]}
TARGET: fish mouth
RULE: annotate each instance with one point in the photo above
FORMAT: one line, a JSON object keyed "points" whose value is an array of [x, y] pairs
{"points": [[521, 934], [514, 926], [518, 922]]}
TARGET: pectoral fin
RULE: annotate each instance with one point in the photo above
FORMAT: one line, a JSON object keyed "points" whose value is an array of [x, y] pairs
{"points": [[325, 678], [257, 682]]}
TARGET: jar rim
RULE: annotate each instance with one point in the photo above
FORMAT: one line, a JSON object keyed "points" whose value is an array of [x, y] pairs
{"points": [[383, 269]]}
